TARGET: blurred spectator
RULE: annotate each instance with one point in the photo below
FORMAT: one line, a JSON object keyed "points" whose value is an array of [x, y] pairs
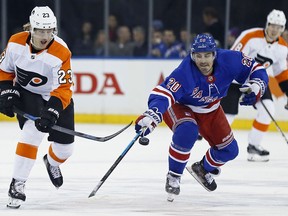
{"points": [[171, 48], [157, 43], [213, 25], [140, 42], [232, 35], [112, 26], [84, 45], [123, 46], [185, 38], [157, 25], [99, 43], [285, 35]]}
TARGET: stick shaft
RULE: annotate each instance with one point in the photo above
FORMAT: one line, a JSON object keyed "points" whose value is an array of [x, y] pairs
{"points": [[275, 122], [103, 179], [72, 132]]}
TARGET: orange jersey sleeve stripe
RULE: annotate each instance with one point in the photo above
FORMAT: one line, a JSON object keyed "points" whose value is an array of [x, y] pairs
{"points": [[27, 150], [52, 155], [60, 51], [19, 38], [63, 92], [282, 41], [259, 126], [282, 76], [6, 76], [254, 34]]}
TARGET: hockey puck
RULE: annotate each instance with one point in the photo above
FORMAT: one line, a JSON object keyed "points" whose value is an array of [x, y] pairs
{"points": [[144, 141]]}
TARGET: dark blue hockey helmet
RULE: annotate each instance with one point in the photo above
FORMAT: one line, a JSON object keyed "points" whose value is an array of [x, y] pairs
{"points": [[203, 43]]}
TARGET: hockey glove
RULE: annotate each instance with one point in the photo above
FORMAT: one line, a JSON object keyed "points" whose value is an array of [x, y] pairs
{"points": [[146, 123], [9, 97], [49, 115], [251, 93]]}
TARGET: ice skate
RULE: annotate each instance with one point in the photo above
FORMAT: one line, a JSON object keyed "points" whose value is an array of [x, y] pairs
{"points": [[257, 153], [172, 186], [202, 176], [54, 173], [16, 194]]}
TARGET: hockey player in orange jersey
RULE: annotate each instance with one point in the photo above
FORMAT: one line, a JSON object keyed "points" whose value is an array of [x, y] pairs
{"points": [[270, 49], [36, 77]]}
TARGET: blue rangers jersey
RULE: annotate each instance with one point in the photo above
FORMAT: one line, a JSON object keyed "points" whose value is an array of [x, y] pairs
{"points": [[187, 85]]}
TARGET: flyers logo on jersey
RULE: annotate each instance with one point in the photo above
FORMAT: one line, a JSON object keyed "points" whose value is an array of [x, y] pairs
{"points": [[28, 77], [265, 61]]}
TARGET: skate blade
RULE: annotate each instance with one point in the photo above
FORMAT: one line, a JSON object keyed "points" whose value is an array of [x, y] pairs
{"points": [[189, 169], [257, 158], [170, 197], [14, 203]]}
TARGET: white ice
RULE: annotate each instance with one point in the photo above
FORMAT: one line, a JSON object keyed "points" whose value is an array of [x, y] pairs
{"points": [[136, 186]]}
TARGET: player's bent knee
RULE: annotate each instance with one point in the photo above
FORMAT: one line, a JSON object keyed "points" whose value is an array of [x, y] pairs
{"points": [[232, 150], [186, 132], [63, 150]]}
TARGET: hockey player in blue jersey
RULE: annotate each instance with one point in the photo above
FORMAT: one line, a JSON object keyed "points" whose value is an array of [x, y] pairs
{"points": [[189, 102]]}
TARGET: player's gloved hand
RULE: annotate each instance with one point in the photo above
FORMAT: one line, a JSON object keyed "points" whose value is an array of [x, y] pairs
{"points": [[286, 106], [9, 97], [47, 120], [251, 94], [146, 123], [49, 115]]}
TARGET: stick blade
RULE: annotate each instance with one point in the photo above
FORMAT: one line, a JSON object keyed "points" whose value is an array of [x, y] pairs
{"points": [[93, 192]]}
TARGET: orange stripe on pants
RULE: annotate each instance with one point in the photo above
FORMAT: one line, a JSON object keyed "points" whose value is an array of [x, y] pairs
{"points": [[52, 155], [27, 150], [259, 126]]}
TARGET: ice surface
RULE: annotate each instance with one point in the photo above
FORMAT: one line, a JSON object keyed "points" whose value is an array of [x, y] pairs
{"points": [[136, 186]]}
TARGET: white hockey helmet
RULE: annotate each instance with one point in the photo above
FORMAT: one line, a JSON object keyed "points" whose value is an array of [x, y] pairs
{"points": [[276, 17], [42, 18]]}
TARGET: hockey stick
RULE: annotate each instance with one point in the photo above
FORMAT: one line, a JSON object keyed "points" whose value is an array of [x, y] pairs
{"points": [[114, 165], [72, 132], [279, 129]]}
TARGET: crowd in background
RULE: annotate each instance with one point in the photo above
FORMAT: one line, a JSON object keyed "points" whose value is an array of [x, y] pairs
{"points": [[166, 43], [133, 41], [126, 42]]}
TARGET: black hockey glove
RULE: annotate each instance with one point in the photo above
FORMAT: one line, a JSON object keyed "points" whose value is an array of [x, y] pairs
{"points": [[9, 97], [49, 115]]}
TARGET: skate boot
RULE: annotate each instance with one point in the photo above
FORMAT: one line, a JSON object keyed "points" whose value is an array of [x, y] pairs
{"points": [[257, 153], [54, 173], [172, 186], [202, 176], [216, 172], [16, 194]]}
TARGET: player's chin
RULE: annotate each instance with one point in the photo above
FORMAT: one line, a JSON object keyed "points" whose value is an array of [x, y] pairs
{"points": [[274, 36], [40, 46], [205, 70]]}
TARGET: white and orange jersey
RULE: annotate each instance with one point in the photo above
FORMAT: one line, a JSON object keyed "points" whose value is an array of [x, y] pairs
{"points": [[47, 72], [272, 56]]}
